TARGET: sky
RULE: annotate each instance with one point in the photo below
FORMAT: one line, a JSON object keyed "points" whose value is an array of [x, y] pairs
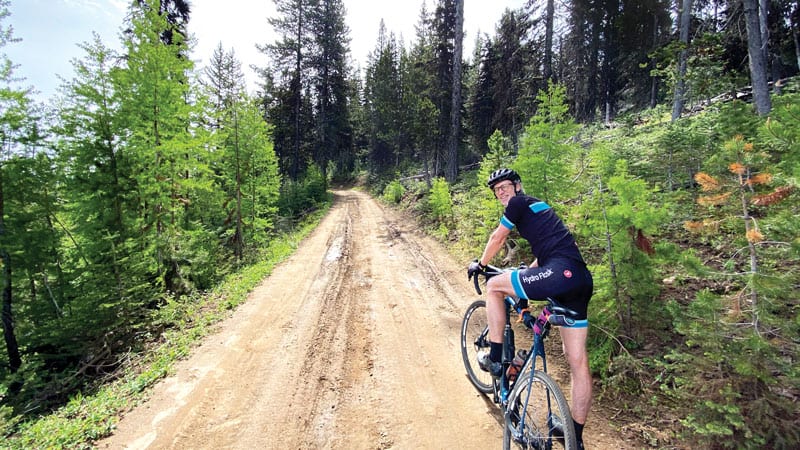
{"points": [[50, 31]]}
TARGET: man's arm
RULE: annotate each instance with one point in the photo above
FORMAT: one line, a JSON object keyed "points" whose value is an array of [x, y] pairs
{"points": [[495, 243]]}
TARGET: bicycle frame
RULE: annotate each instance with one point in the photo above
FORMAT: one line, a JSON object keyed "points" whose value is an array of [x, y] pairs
{"points": [[509, 348]]}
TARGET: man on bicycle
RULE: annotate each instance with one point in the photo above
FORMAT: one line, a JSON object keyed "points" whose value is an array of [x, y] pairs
{"points": [[559, 272]]}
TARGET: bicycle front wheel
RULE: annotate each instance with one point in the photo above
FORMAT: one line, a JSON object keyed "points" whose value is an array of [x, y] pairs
{"points": [[474, 339], [537, 415]]}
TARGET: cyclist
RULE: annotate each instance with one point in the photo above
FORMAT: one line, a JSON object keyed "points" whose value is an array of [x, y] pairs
{"points": [[558, 271]]}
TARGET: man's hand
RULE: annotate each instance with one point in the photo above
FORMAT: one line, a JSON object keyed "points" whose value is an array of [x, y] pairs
{"points": [[475, 269]]}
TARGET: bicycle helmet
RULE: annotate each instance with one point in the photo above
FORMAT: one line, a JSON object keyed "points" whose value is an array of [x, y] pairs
{"points": [[502, 175]]}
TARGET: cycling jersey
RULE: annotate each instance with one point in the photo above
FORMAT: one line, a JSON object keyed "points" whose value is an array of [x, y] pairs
{"points": [[541, 227], [562, 272]]}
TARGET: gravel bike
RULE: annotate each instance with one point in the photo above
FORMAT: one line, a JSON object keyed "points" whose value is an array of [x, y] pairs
{"points": [[535, 411]]}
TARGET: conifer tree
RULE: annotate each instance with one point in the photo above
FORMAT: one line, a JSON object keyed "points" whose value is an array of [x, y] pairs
{"points": [[418, 101], [168, 165], [382, 97], [17, 126], [248, 170], [289, 84], [99, 187], [546, 155], [328, 65]]}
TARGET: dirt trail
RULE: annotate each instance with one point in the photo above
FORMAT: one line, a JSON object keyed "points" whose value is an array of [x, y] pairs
{"points": [[353, 343]]}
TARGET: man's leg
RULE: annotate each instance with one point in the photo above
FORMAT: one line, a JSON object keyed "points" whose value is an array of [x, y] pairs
{"points": [[574, 341], [497, 289]]}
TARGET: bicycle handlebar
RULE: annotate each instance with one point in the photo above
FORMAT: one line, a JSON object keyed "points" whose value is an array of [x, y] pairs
{"points": [[488, 273]]}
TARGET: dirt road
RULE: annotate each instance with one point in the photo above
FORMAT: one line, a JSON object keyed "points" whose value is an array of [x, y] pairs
{"points": [[353, 343]]}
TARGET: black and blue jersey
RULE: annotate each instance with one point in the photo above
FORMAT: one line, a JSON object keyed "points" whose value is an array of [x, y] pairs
{"points": [[561, 273], [538, 224]]}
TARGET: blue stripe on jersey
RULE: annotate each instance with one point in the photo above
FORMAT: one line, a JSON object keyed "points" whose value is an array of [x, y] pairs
{"points": [[506, 223], [539, 207], [517, 284]]}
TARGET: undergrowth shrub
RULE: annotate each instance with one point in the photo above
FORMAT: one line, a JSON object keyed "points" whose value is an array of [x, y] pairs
{"points": [[622, 216], [734, 384], [736, 376], [393, 192], [441, 207], [478, 212], [300, 197], [781, 133]]}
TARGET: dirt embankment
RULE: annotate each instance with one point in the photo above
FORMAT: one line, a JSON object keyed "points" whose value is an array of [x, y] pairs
{"points": [[352, 343]]}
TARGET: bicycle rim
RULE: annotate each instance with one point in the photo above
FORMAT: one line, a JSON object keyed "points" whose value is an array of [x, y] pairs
{"points": [[537, 410], [474, 329]]}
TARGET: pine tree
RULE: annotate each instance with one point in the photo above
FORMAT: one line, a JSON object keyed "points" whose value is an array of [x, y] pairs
{"points": [[99, 186], [328, 65], [16, 126], [444, 27], [382, 98], [418, 96], [546, 152], [168, 166], [248, 167], [479, 103], [509, 63], [289, 83]]}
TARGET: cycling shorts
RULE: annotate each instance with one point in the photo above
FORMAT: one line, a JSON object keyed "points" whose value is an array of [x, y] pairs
{"points": [[567, 281]]}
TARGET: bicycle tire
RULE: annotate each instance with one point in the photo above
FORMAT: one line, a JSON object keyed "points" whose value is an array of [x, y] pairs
{"points": [[545, 402], [474, 325]]}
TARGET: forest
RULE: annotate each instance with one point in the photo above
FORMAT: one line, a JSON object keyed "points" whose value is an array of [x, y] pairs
{"points": [[667, 134]]}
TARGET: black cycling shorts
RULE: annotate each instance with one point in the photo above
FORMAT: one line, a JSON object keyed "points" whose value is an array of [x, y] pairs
{"points": [[567, 281]]}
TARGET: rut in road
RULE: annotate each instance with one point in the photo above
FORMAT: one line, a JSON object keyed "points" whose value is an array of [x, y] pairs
{"points": [[351, 343]]}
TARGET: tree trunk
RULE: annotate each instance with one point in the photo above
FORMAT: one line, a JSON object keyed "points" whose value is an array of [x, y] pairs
{"points": [[298, 100], [238, 246], [455, 105], [592, 72], [794, 26], [763, 27], [654, 80], [14, 359], [680, 87], [610, 51], [758, 65], [548, 41]]}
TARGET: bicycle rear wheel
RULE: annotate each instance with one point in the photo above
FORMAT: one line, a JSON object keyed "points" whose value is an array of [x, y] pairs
{"points": [[538, 416], [474, 338]]}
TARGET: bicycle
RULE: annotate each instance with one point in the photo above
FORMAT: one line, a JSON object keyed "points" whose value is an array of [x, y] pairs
{"points": [[535, 410]]}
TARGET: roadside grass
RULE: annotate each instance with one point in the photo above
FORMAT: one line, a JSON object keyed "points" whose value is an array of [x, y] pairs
{"points": [[91, 416]]}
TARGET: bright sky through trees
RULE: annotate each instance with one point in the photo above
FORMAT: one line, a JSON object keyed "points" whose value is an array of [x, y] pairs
{"points": [[51, 29]]}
